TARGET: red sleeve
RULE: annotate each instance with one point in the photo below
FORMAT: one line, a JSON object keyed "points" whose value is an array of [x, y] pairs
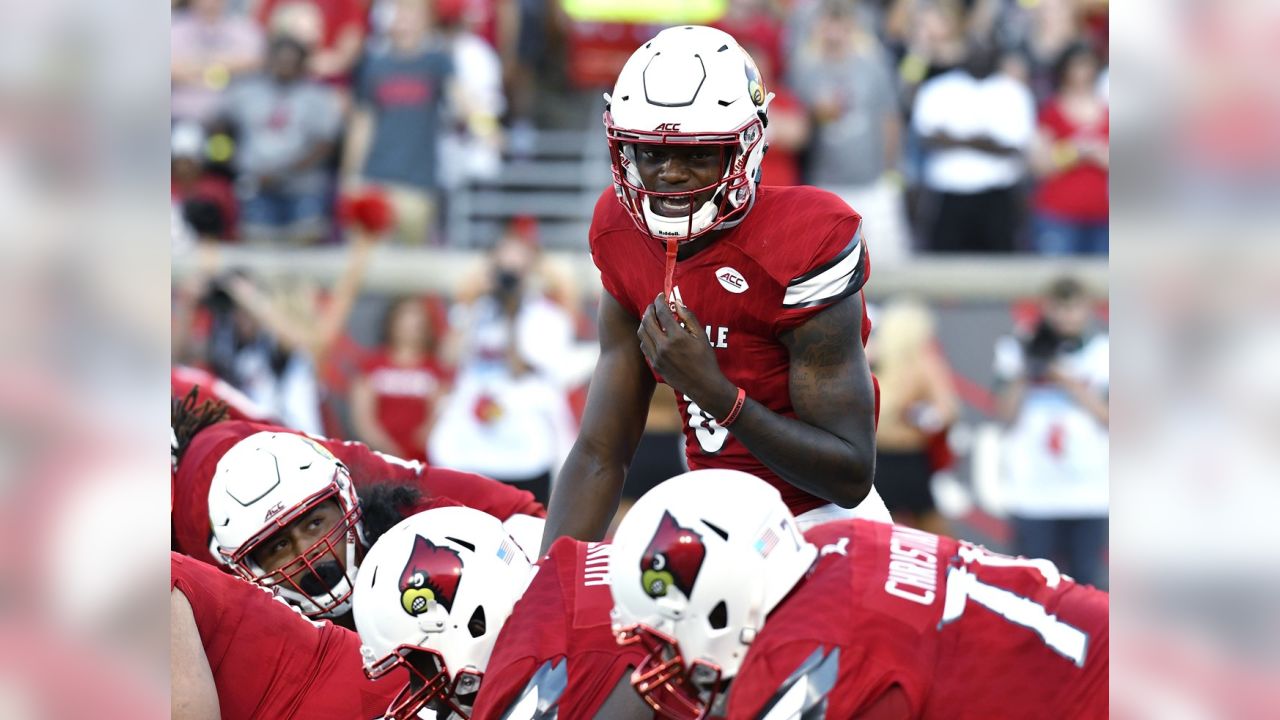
{"points": [[477, 491], [602, 226], [270, 661], [370, 467], [838, 268]]}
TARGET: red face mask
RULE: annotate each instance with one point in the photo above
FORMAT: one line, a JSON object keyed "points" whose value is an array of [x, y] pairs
{"points": [[664, 682]]}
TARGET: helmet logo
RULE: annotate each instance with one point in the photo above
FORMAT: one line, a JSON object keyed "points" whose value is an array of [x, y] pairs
{"points": [[275, 510], [755, 85], [673, 558], [432, 573], [667, 127]]}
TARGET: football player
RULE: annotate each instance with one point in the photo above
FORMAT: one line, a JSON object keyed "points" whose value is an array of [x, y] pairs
{"points": [[556, 657], [444, 594], [748, 618], [202, 435], [238, 652], [286, 514], [769, 373]]}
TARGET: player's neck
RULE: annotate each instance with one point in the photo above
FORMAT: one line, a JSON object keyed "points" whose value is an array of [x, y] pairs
{"points": [[696, 246]]}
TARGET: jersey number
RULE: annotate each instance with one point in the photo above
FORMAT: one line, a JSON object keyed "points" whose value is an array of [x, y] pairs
{"points": [[962, 586], [711, 436]]}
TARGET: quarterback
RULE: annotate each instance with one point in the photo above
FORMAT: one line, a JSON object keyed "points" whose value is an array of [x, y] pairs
{"points": [[745, 300]]}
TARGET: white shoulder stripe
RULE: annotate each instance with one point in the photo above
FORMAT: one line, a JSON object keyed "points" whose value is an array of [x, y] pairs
{"points": [[829, 282]]}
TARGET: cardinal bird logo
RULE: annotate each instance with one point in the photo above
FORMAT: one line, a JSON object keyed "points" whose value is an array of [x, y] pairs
{"points": [[755, 84], [432, 573], [673, 558]]}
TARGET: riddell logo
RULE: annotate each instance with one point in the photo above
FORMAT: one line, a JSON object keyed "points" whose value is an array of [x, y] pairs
{"points": [[274, 511], [668, 127], [731, 280]]}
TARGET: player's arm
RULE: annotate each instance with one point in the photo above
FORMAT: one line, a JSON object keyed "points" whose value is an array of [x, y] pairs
{"points": [[587, 491], [828, 449], [194, 694]]}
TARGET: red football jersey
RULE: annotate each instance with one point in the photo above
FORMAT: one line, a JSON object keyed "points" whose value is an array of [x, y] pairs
{"points": [[269, 661], [367, 467], [799, 250], [183, 378], [961, 633], [557, 648]]}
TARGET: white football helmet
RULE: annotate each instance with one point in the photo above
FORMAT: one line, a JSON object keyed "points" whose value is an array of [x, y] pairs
{"points": [[697, 564], [432, 596], [264, 483], [689, 85]]}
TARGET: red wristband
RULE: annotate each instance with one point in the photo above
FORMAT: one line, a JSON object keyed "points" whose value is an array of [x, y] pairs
{"points": [[737, 408]]}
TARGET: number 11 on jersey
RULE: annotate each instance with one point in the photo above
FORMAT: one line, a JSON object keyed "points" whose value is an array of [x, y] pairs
{"points": [[963, 586]]}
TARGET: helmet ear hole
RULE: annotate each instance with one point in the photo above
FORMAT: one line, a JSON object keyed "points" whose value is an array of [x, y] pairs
{"points": [[719, 617], [476, 625]]}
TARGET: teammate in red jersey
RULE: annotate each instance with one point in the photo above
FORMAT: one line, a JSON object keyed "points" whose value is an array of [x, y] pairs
{"points": [[285, 514], [769, 374], [556, 655], [432, 597], [238, 652], [853, 619], [203, 436]]}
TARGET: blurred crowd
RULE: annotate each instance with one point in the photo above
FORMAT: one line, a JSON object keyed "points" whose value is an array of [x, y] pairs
{"points": [[951, 125]]}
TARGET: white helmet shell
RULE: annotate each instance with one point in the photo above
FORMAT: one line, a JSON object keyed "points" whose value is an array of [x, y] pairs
{"points": [[442, 581], [703, 558], [690, 85], [263, 484]]}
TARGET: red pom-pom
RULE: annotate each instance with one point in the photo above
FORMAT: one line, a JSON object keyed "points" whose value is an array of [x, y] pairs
{"points": [[368, 209]]}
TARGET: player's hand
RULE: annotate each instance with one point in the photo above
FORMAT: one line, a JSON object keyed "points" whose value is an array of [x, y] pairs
{"points": [[678, 350]]}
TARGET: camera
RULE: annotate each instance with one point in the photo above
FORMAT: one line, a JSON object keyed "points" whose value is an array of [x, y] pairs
{"points": [[1044, 346]]}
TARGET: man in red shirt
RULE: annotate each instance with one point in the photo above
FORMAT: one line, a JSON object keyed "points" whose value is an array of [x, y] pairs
{"points": [[239, 652], [557, 650], [855, 618], [768, 374]]}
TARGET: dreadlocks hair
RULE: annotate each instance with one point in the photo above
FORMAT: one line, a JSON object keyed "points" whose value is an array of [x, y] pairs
{"points": [[383, 506], [187, 418]]}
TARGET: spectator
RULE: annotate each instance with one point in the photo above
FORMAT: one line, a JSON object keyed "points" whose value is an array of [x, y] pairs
{"points": [[287, 125], [1071, 157], [842, 73], [393, 400], [1043, 32], [268, 340], [394, 134], [927, 39], [209, 48], [472, 145], [206, 201], [918, 403], [976, 124], [508, 416], [1053, 387], [789, 130], [333, 30]]}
